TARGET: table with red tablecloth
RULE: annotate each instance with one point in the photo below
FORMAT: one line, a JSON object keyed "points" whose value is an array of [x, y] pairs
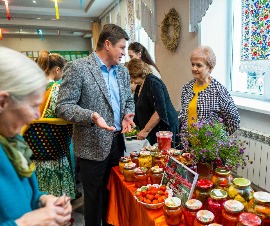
{"points": [[124, 210]]}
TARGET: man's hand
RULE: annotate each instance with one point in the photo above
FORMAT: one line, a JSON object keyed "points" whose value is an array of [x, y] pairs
{"points": [[128, 123], [100, 122], [142, 134]]}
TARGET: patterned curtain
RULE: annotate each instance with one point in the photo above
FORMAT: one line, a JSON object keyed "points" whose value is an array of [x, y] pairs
{"points": [[255, 45], [131, 20]]}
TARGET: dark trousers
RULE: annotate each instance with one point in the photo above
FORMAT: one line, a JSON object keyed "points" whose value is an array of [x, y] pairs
{"points": [[94, 177]]}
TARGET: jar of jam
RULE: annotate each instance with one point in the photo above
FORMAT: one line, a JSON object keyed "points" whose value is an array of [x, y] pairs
{"points": [[216, 203], [191, 208], [173, 211], [122, 162], [177, 154], [202, 191], [230, 213], [145, 159], [158, 160], [140, 176], [241, 191], [204, 217], [260, 205], [249, 219], [156, 175], [222, 179], [164, 139], [129, 171], [134, 156]]}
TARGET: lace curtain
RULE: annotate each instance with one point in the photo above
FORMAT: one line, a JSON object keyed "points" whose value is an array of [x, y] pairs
{"points": [[197, 9], [255, 43]]}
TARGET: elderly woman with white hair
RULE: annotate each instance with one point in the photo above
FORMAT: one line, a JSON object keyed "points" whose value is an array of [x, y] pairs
{"points": [[22, 86], [204, 97]]}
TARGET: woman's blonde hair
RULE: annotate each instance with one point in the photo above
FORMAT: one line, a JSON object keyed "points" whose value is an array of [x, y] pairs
{"points": [[206, 53], [138, 68], [19, 76]]}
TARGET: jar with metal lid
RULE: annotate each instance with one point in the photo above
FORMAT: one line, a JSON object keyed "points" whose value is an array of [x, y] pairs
{"points": [[156, 175], [172, 210], [216, 203], [177, 154], [230, 213], [158, 160], [129, 171], [202, 191], [164, 139], [145, 159], [249, 219], [191, 208], [222, 179], [204, 217], [260, 205], [241, 191], [122, 162], [134, 156], [140, 176]]}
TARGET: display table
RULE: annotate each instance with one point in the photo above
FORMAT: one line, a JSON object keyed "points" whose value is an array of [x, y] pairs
{"points": [[135, 145], [124, 209]]}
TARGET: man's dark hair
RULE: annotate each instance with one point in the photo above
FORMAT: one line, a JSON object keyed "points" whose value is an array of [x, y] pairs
{"points": [[111, 32]]}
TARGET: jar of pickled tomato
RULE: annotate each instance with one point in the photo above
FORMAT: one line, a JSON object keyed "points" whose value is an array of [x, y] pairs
{"points": [[158, 160], [191, 208], [164, 139], [177, 154], [172, 211], [249, 219], [140, 176], [230, 213], [156, 175], [222, 179], [216, 203], [129, 171], [145, 159], [202, 191], [122, 162], [204, 217], [134, 156]]}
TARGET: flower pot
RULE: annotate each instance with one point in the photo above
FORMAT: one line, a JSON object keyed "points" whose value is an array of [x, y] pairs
{"points": [[204, 170]]}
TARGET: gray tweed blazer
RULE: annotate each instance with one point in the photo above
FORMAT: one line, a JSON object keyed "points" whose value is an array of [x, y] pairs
{"points": [[84, 91]]}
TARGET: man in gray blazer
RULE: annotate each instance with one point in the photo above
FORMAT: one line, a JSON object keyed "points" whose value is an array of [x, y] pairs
{"points": [[95, 95]]}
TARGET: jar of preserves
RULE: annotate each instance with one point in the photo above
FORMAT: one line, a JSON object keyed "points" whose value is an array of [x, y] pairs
{"points": [[134, 156], [241, 191], [216, 203], [129, 171], [122, 162], [230, 213], [173, 211], [164, 139], [202, 191], [260, 205], [249, 219], [222, 179], [158, 160], [156, 175], [145, 159], [177, 154], [191, 208], [204, 217], [140, 176]]}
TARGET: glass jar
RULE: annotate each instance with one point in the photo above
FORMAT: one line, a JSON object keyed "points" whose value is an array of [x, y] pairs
{"points": [[202, 191], [204, 217], [156, 175], [249, 219], [261, 206], [145, 159], [230, 213], [216, 203], [158, 160], [134, 156], [177, 155], [122, 162], [164, 139], [191, 208], [173, 211], [140, 176], [241, 191], [129, 171], [222, 179]]}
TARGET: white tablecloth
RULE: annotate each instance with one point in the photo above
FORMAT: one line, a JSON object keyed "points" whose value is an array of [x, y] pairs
{"points": [[135, 145]]}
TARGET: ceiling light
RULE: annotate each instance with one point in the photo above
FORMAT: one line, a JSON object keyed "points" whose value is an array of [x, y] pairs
{"points": [[34, 2], [38, 18]]}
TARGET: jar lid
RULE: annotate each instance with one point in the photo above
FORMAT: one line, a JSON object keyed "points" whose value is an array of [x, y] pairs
{"points": [[145, 153], [250, 219], [218, 194], [177, 152], [140, 170], [241, 182], [205, 216], [130, 165], [124, 159], [156, 169], [233, 206], [214, 224], [134, 154], [262, 196], [222, 171], [204, 183], [172, 202], [193, 204], [164, 134]]}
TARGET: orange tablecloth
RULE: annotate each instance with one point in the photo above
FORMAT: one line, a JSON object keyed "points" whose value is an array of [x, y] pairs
{"points": [[124, 210]]}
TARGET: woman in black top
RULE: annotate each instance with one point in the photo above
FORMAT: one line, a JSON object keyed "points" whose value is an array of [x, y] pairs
{"points": [[153, 108]]}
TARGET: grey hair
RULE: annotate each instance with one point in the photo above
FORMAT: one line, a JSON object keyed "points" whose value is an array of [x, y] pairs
{"points": [[19, 76], [206, 53]]}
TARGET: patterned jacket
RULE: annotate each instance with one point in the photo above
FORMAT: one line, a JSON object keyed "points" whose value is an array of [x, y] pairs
{"points": [[84, 91], [215, 102]]}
